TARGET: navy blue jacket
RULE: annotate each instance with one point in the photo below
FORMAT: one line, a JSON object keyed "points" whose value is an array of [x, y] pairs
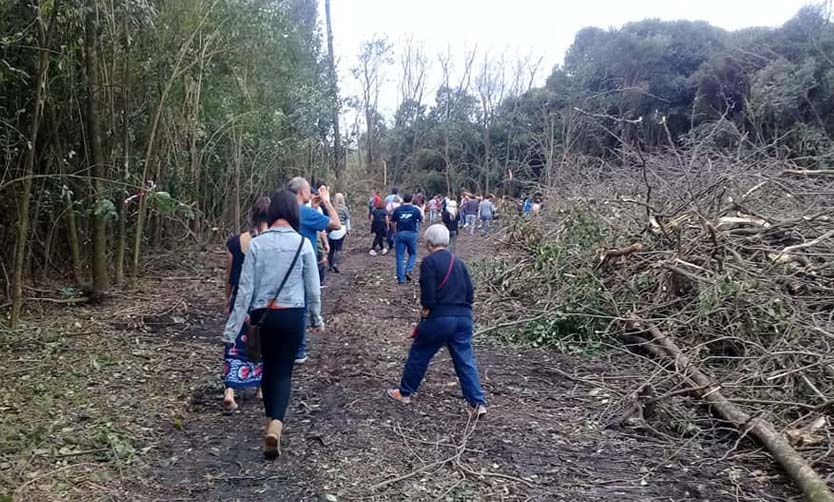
{"points": [[407, 217], [456, 297]]}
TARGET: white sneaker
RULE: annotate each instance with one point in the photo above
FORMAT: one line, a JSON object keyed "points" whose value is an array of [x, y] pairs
{"points": [[479, 411], [372, 253], [301, 360], [384, 251]]}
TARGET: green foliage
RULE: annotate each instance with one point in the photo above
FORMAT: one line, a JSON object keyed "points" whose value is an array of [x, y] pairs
{"points": [[106, 209], [728, 296], [555, 269], [118, 448], [241, 96], [677, 83]]}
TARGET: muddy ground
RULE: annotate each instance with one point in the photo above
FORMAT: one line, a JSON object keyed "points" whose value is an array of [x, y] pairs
{"points": [[131, 410]]}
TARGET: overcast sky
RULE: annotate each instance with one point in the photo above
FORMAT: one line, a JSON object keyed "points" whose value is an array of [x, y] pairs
{"points": [[545, 27]]}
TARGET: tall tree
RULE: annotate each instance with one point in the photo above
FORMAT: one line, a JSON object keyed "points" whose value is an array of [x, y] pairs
{"points": [[20, 254], [338, 166], [374, 56], [101, 279]]}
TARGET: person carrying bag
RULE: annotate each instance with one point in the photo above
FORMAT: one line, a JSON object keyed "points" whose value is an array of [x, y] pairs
{"points": [[278, 256], [446, 294], [253, 338], [442, 284]]}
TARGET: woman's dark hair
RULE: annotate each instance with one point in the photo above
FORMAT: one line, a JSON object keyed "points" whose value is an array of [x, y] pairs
{"points": [[284, 206], [260, 211]]}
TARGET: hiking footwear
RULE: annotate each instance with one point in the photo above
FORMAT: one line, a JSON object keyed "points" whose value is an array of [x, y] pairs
{"points": [[336, 270], [396, 395], [478, 412], [408, 277], [301, 360], [272, 439], [373, 252]]}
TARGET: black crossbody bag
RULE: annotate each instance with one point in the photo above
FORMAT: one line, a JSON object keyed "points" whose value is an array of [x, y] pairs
{"points": [[253, 337]]}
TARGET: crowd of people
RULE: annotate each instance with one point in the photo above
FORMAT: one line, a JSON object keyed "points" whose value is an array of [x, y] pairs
{"points": [[471, 212], [276, 273]]}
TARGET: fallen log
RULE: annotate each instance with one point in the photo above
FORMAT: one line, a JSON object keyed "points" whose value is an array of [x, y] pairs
{"points": [[808, 172], [789, 255], [795, 466], [611, 254]]}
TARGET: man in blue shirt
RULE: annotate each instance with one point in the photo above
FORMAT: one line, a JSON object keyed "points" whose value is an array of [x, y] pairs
{"points": [[407, 219], [312, 222]]}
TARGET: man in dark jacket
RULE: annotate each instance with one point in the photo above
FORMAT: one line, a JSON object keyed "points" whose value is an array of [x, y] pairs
{"points": [[446, 293]]}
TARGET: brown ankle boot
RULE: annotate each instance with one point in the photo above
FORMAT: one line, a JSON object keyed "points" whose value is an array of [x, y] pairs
{"points": [[272, 439]]}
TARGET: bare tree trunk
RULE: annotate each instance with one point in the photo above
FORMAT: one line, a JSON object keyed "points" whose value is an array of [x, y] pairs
{"points": [[237, 155], [29, 170], [67, 196], [338, 167], [369, 136], [120, 254], [447, 159], [176, 73], [101, 279]]}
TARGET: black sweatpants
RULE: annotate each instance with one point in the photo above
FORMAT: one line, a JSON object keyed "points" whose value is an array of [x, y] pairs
{"points": [[379, 240], [335, 256], [281, 334]]}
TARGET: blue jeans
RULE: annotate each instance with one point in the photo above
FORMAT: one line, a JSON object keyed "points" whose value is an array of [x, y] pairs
{"points": [[405, 241], [485, 225], [301, 353], [456, 334], [471, 220]]}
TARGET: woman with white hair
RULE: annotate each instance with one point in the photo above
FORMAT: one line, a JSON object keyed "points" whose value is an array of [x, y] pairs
{"points": [[446, 293], [451, 219]]}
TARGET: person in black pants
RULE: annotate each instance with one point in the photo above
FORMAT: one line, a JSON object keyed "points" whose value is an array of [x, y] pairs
{"points": [[279, 278], [379, 227], [451, 218]]}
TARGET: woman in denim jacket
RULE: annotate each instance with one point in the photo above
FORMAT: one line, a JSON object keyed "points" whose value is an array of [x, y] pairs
{"points": [[282, 321]]}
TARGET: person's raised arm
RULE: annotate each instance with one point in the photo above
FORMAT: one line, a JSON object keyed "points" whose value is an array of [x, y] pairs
{"points": [[324, 195]]}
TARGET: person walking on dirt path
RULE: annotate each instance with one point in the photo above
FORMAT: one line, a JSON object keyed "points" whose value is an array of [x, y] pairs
{"points": [[470, 210], [238, 371], [379, 227], [337, 237], [433, 205], [446, 294], [407, 219], [486, 212], [372, 202], [451, 220], [392, 202], [419, 200], [311, 222], [278, 285]]}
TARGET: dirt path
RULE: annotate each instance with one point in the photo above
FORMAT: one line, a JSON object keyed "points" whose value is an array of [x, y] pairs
{"points": [[544, 438]]}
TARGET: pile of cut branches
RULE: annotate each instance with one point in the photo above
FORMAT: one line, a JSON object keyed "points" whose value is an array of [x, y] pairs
{"points": [[730, 258]]}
